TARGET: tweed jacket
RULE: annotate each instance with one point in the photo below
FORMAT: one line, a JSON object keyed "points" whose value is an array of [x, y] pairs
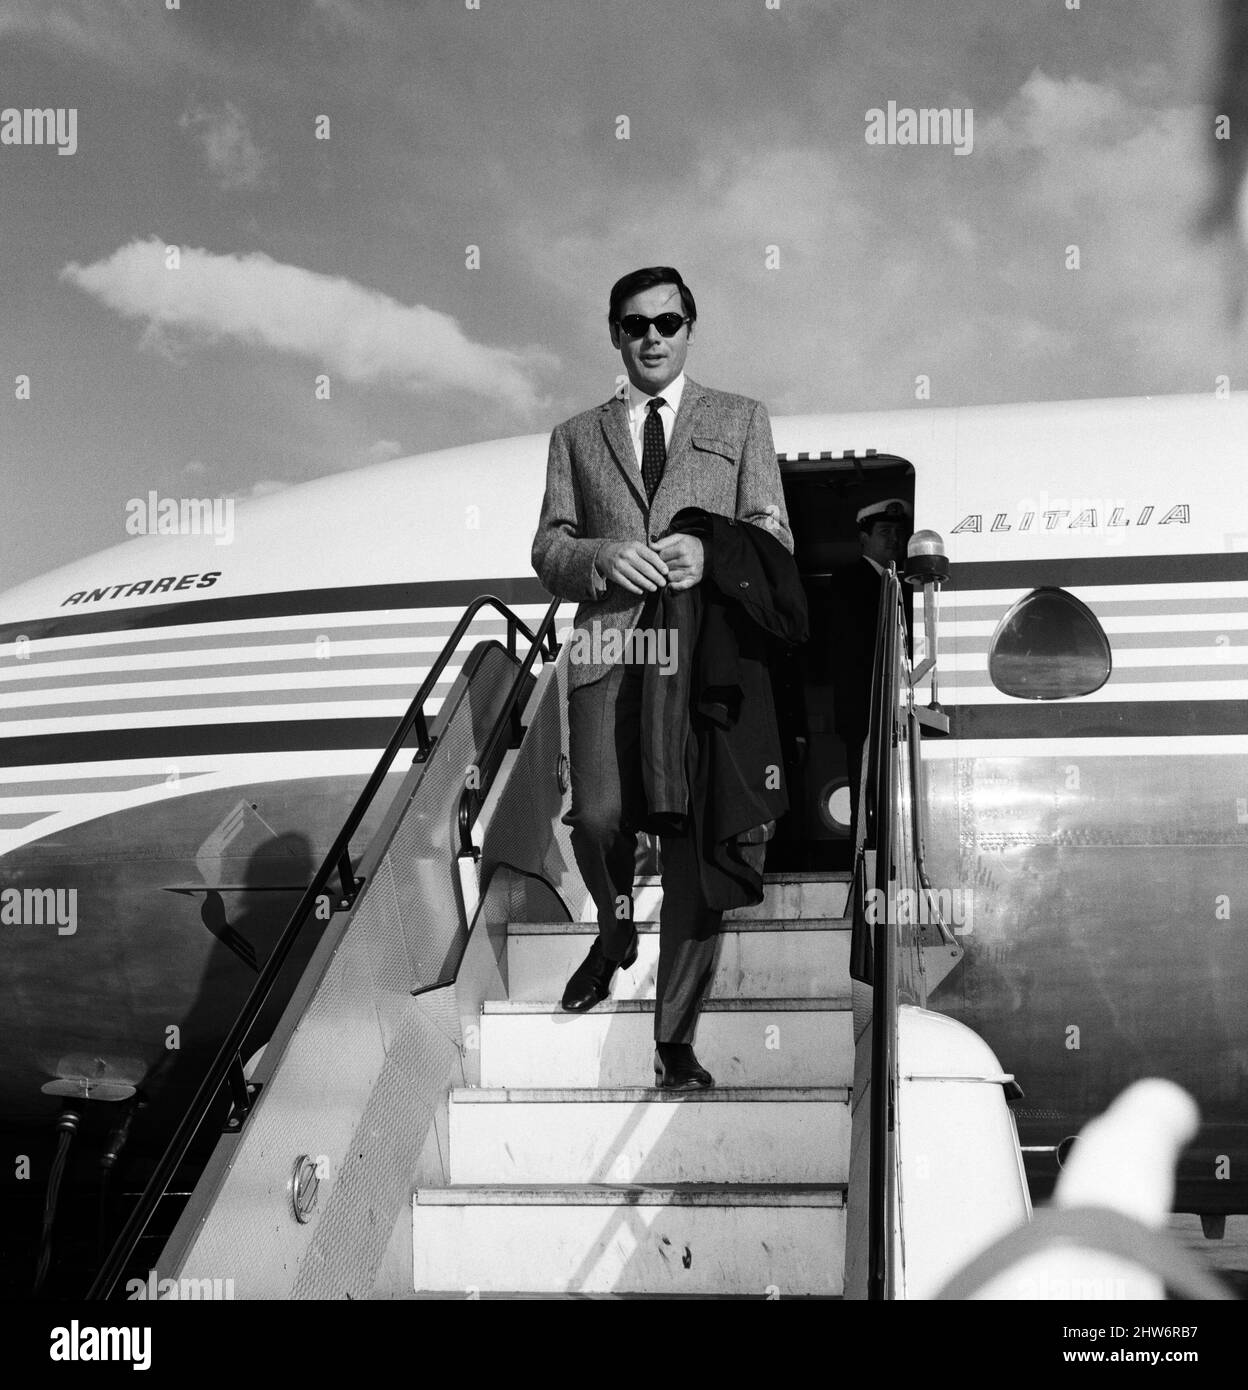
{"points": [[720, 458]]}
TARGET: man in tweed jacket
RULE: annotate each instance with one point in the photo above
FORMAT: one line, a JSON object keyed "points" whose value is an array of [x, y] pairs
{"points": [[613, 485]]}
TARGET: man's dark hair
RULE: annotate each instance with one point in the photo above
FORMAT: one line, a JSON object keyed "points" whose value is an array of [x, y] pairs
{"points": [[646, 279]]}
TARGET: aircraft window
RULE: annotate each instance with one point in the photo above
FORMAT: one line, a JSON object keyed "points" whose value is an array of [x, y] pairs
{"points": [[1049, 646]]}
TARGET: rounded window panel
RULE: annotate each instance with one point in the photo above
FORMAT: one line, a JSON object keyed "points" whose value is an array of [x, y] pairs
{"points": [[1049, 646]]}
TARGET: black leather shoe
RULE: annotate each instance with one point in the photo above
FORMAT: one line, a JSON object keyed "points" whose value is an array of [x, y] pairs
{"points": [[591, 980], [677, 1069]]}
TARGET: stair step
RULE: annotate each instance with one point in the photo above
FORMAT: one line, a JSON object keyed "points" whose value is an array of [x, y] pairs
{"points": [[631, 1194], [740, 1005], [761, 958], [593, 1095], [501, 1295], [742, 1042], [574, 1177], [777, 1240], [730, 1134], [787, 895], [739, 924]]}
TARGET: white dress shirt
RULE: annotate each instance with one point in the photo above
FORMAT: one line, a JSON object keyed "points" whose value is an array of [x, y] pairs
{"points": [[637, 411]]}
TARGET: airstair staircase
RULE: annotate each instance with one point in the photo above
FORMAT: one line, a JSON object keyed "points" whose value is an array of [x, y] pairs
{"points": [[570, 1174], [427, 1122]]}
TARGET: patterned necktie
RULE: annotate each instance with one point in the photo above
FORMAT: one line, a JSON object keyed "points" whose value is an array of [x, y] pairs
{"points": [[653, 448]]}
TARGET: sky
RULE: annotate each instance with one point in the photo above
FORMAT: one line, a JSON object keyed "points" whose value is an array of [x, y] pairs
{"points": [[830, 273]]}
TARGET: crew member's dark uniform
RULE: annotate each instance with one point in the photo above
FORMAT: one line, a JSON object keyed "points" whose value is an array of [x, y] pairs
{"points": [[855, 611], [855, 615]]}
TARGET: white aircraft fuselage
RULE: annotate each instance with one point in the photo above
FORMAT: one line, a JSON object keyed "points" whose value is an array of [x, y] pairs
{"points": [[189, 717]]}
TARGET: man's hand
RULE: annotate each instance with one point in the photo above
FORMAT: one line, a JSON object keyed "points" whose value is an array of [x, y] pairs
{"points": [[683, 556], [633, 566]]}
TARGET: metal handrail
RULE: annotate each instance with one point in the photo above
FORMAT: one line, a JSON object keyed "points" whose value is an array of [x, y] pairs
{"points": [[885, 691], [918, 800], [227, 1065], [507, 721]]}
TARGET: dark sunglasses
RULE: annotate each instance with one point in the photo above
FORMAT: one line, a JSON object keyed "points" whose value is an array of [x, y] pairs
{"points": [[637, 325]]}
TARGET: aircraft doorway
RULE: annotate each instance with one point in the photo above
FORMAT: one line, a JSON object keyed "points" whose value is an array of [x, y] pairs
{"points": [[823, 496]]}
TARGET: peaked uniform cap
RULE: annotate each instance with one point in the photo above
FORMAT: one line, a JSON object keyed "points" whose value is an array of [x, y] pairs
{"points": [[894, 508]]}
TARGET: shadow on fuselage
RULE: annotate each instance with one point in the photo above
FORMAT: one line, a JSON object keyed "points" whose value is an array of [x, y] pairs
{"points": [[155, 1001]]}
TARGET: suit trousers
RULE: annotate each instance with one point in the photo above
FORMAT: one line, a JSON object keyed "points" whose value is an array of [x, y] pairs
{"points": [[608, 807]]}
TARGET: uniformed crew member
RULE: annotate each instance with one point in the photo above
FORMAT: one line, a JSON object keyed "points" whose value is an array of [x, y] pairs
{"points": [[883, 530]]}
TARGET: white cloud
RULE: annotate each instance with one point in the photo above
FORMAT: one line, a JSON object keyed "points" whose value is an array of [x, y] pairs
{"points": [[961, 235], [1049, 113], [345, 14], [233, 156], [382, 450], [1106, 167], [266, 487], [743, 192], [344, 328], [142, 40]]}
